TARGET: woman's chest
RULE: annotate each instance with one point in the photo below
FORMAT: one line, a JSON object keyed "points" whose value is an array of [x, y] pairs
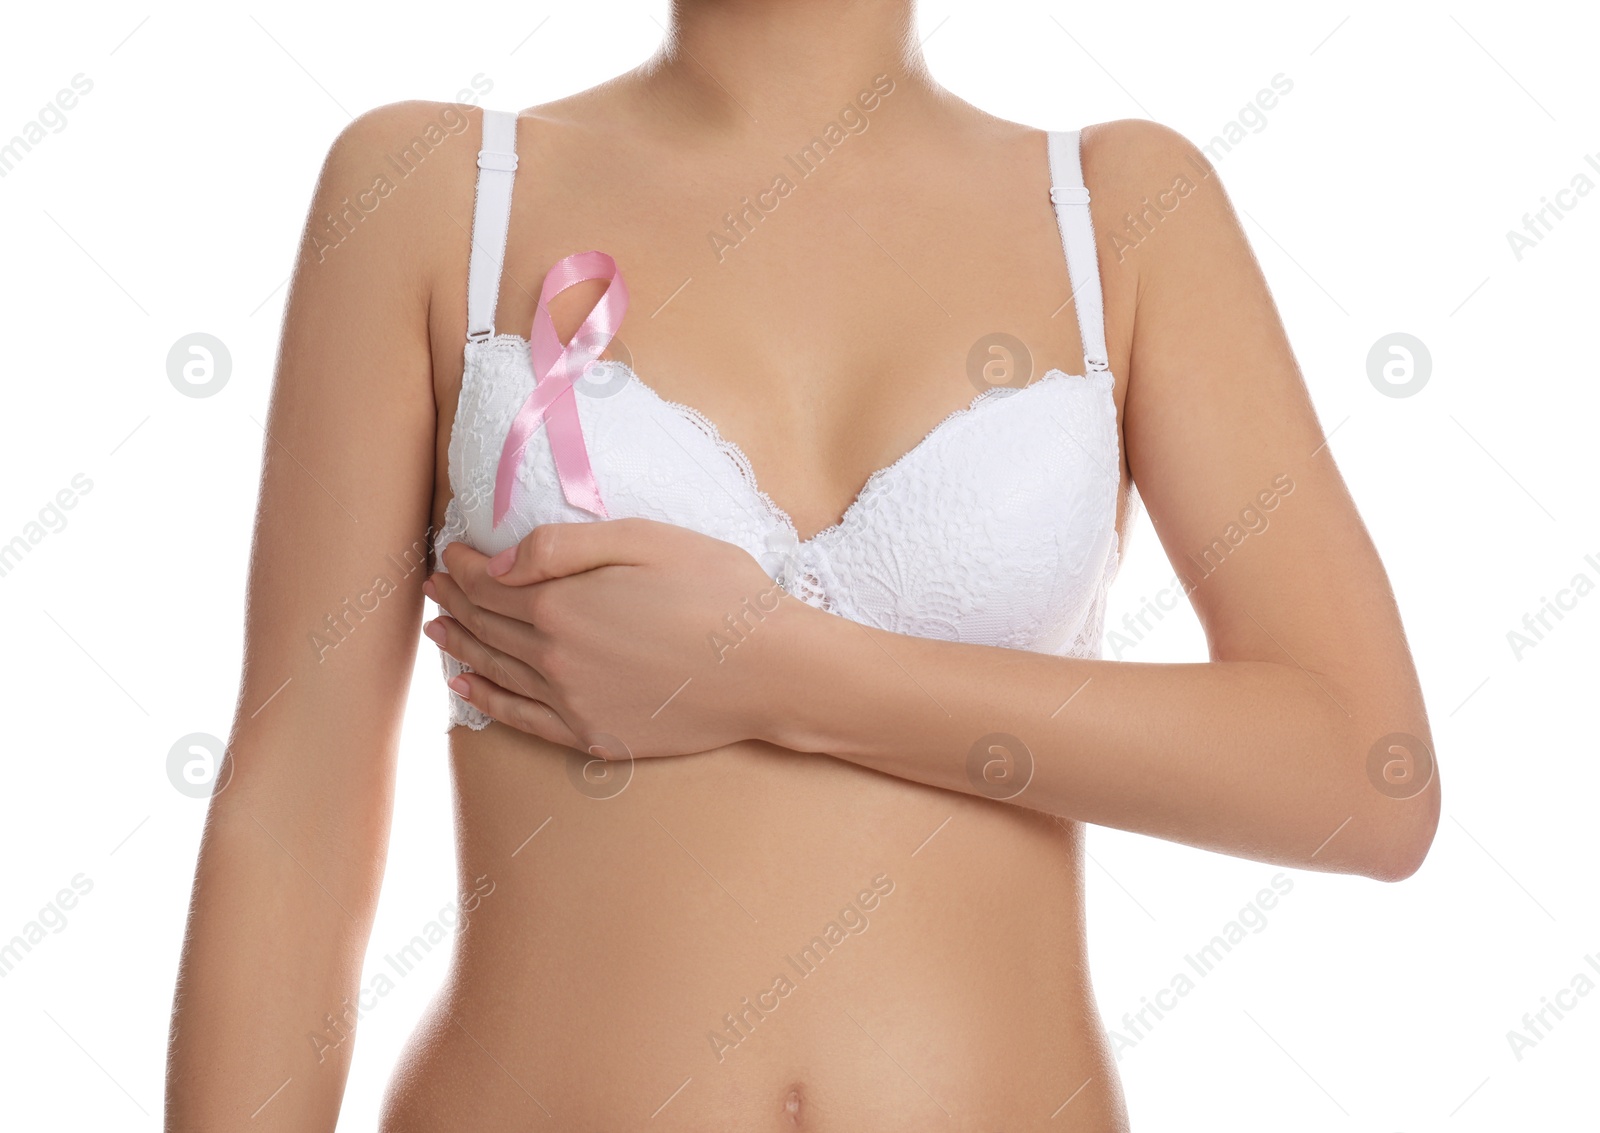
{"points": [[997, 527]]}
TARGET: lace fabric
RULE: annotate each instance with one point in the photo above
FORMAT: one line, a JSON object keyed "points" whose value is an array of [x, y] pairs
{"points": [[998, 527]]}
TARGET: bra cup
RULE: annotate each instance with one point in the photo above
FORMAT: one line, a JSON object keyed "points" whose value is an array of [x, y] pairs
{"points": [[998, 528]]}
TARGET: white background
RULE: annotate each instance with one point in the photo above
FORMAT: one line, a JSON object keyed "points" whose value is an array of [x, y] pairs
{"points": [[1378, 196]]}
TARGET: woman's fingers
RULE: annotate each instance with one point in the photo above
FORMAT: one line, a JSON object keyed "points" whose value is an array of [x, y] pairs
{"points": [[501, 630], [526, 715], [501, 668], [502, 686], [555, 550]]}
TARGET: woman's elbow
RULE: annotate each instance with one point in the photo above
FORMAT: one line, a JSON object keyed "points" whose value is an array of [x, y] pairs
{"points": [[1407, 829]]}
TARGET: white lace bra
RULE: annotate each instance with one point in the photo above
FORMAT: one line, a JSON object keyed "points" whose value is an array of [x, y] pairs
{"points": [[998, 527]]}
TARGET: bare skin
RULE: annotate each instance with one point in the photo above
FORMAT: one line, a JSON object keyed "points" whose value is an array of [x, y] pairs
{"points": [[589, 981]]}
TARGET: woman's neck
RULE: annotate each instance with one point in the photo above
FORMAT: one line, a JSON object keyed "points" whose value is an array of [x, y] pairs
{"points": [[765, 67]]}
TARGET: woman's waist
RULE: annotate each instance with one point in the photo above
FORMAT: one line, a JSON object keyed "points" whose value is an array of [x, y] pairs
{"points": [[832, 1052], [752, 918], [707, 870]]}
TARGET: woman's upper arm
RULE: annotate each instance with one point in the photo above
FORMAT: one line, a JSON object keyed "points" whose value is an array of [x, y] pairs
{"points": [[341, 537], [1226, 449], [290, 866]]}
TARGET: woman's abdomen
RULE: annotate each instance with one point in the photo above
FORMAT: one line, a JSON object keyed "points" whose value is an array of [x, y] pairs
{"points": [[753, 939]]}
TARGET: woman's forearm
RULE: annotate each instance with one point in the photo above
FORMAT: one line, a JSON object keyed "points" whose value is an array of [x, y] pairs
{"points": [[1252, 758], [263, 1018]]}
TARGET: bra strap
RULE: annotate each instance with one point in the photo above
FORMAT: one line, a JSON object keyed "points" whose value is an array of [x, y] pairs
{"points": [[1070, 197], [491, 221]]}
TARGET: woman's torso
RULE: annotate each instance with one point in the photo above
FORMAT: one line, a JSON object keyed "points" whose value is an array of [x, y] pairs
{"points": [[662, 954]]}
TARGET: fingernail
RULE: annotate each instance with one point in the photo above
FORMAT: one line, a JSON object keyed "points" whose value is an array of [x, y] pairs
{"points": [[430, 590], [460, 686], [435, 631], [502, 562]]}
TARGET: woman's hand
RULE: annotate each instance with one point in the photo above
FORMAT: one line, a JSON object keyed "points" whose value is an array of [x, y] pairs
{"points": [[622, 637]]}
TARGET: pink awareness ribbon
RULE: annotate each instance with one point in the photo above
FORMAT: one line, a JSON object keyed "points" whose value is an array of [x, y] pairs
{"points": [[555, 367]]}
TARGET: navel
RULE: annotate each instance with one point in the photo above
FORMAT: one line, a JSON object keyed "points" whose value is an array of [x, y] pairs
{"points": [[793, 1104]]}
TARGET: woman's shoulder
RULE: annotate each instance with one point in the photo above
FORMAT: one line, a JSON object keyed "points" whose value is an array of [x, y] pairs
{"points": [[1134, 157], [394, 184], [1146, 178], [408, 156], [402, 139], [1123, 160], [420, 132]]}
